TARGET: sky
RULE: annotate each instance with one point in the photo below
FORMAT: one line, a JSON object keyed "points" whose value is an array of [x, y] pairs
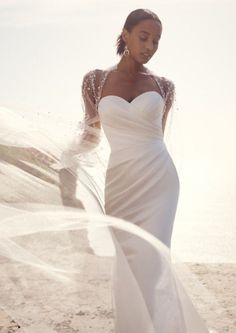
{"points": [[47, 46]]}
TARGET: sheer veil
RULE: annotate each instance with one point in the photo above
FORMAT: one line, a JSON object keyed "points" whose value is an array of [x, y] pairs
{"points": [[60, 264]]}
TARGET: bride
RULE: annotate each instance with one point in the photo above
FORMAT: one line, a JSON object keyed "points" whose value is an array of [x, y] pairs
{"points": [[137, 183]]}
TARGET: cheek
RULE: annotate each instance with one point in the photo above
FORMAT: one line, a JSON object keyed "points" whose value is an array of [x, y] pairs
{"points": [[136, 46], [138, 42], [155, 48]]}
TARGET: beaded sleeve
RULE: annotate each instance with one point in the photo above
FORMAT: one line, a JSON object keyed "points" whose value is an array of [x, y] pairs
{"points": [[89, 94], [167, 89], [88, 131], [169, 92]]}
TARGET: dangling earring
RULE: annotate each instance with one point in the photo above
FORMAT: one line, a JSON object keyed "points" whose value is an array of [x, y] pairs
{"points": [[126, 51]]}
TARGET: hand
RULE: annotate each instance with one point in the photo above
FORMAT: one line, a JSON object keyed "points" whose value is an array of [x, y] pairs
{"points": [[68, 189]]}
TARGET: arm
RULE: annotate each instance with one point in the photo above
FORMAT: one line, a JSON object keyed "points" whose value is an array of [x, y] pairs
{"points": [[91, 118], [170, 94], [164, 119], [89, 139]]}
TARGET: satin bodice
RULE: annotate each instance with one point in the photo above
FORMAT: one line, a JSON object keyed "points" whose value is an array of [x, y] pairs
{"points": [[132, 123]]}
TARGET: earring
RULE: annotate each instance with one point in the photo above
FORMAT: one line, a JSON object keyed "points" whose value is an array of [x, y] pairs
{"points": [[126, 51]]}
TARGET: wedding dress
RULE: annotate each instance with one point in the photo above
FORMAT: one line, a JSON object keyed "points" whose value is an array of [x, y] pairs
{"points": [[130, 194]]}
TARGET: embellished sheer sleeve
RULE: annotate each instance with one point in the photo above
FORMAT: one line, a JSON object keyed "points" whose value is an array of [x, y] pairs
{"points": [[169, 92], [91, 123], [88, 132], [80, 152], [90, 98], [168, 88]]}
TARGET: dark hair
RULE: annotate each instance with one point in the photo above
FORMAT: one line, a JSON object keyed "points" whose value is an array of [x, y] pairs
{"points": [[132, 20]]}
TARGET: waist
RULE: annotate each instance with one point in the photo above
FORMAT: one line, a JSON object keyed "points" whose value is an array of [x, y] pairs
{"points": [[118, 146], [137, 150]]}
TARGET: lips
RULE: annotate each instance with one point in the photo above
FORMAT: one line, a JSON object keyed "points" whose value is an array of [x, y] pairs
{"points": [[146, 55]]}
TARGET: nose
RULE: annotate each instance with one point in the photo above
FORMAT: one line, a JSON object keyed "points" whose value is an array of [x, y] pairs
{"points": [[149, 47]]}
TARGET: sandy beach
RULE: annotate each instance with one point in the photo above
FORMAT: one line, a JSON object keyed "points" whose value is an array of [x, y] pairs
{"points": [[220, 313], [95, 313]]}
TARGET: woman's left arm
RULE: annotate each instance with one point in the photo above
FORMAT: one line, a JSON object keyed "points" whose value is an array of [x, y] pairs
{"points": [[169, 88]]}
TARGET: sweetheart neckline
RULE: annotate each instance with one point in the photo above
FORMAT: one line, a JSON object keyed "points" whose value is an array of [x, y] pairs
{"points": [[131, 102]]}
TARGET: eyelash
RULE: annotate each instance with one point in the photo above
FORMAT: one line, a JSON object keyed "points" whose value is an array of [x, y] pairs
{"points": [[144, 39]]}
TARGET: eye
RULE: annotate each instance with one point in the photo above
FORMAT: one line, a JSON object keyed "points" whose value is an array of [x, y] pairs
{"points": [[143, 39]]}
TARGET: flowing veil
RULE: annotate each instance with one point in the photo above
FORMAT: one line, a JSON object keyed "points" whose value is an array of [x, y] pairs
{"points": [[62, 269]]}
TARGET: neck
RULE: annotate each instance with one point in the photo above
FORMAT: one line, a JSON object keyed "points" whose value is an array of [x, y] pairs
{"points": [[129, 66]]}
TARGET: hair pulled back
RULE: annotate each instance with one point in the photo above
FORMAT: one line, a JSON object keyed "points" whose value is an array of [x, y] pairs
{"points": [[132, 20]]}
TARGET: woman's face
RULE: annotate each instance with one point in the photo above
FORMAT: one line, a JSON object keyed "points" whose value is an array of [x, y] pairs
{"points": [[143, 40]]}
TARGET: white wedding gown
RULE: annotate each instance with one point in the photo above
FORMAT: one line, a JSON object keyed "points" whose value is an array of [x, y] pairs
{"points": [[141, 187], [142, 184]]}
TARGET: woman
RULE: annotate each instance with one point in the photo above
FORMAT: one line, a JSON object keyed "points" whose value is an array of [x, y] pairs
{"points": [[131, 105]]}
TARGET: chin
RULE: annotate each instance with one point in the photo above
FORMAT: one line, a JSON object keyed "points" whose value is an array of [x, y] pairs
{"points": [[142, 61]]}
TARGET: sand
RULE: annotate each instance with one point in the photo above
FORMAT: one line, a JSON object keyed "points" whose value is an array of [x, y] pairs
{"points": [[219, 279], [219, 312]]}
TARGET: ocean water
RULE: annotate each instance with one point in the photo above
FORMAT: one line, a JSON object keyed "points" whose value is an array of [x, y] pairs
{"points": [[209, 238]]}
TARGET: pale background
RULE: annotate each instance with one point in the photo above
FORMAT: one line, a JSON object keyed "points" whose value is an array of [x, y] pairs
{"points": [[47, 46]]}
